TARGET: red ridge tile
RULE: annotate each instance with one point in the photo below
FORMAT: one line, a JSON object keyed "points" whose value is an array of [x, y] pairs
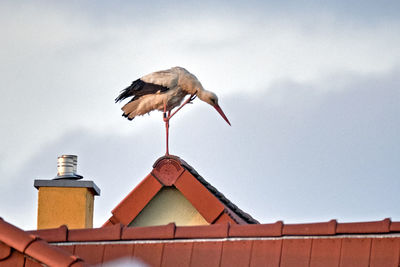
{"points": [[96, 234], [203, 231], [256, 230], [325, 228], [167, 170], [395, 227], [15, 259], [5, 251], [136, 200], [234, 216], [14, 237], [364, 227], [52, 235], [224, 218], [266, 253], [51, 256], [177, 254], [149, 232], [31, 263], [202, 199], [78, 264], [109, 222]]}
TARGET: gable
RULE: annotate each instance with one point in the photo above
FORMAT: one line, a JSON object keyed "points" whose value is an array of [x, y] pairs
{"points": [[171, 171], [169, 205]]}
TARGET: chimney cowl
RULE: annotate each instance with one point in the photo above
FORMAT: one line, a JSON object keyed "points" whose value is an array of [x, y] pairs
{"points": [[67, 168]]}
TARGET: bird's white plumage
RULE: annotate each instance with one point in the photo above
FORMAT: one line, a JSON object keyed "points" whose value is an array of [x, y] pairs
{"points": [[164, 90]]}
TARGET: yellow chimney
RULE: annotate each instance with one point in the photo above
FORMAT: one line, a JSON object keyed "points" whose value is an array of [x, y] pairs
{"points": [[65, 199]]}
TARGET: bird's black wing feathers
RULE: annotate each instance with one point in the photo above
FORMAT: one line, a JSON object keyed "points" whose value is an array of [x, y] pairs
{"points": [[140, 88]]}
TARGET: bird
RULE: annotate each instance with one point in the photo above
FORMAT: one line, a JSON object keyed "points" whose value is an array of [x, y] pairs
{"points": [[165, 90]]}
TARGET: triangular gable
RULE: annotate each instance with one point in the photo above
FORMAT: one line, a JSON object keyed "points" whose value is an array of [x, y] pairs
{"points": [[171, 171]]}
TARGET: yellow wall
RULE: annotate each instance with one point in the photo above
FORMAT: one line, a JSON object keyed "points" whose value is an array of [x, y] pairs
{"points": [[71, 206], [169, 205]]}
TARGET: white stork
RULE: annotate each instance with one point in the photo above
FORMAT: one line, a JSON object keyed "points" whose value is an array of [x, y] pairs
{"points": [[165, 90]]}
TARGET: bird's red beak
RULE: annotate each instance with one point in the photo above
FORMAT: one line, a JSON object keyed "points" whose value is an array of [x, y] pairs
{"points": [[216, 106]]}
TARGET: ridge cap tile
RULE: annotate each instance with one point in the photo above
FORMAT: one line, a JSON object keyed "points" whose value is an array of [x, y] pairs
{"points": [[317, 228], [14, 237], [52, 256], [395, 227], [149, 232], [96, 234], [5, 251], [51, 235], [382, 226], [256, 230], [33, 246], [202, 231], [220, 196]]}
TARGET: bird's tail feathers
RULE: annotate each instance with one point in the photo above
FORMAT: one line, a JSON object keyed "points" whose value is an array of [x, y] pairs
{"points": [[129, 91], [130, 110]]}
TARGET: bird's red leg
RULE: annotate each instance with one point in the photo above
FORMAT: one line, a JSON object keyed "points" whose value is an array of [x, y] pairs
{"points": [[166, 120], [189, 100], [169, 116]]}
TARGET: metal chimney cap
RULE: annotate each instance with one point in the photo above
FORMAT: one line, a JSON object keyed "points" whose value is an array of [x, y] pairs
{"points": [[67, 167]]}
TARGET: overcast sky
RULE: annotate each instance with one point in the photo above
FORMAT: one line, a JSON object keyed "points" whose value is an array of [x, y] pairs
{"points": [[312, 90]]}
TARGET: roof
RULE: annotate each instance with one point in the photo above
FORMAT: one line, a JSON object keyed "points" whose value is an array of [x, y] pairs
{"points": [[277, 244], [19, 248], [173, 171]]}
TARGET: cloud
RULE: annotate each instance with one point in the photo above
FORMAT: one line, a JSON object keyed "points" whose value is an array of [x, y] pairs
{"points": [[292, 153]]}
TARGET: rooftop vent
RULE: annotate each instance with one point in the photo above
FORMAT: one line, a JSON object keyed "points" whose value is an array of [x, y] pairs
{"points": [[67, 167]]}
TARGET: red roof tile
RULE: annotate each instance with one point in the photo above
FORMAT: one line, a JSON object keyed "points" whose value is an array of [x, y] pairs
{"points": [[206, 254], [29, 245], [177, 254], [203, 231], [256, 230], [52, 235], [5, 251], [149, 253], [325, 252], [355, 252], [236, 253], [328, 228], [15, 259], [150, 232], [296, 252], [364, 227], [135, 201], [117, 251], [207, 204], [266, 253], [167, 170], [172, 171], [99, 234], [385, 252], [93, 254]]}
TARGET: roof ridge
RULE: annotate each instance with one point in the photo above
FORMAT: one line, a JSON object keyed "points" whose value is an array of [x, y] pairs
{"points": [[33, 246], [243, 215]]}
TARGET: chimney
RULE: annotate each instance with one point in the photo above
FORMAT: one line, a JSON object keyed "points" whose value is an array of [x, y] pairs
{"points": [[66, 199]]}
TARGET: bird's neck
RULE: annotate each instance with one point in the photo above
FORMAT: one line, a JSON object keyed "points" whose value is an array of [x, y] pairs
{"points": [[202, 93]]}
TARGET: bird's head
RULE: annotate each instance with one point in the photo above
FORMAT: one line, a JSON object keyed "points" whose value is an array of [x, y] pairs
{"points": [[212, 99]]}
